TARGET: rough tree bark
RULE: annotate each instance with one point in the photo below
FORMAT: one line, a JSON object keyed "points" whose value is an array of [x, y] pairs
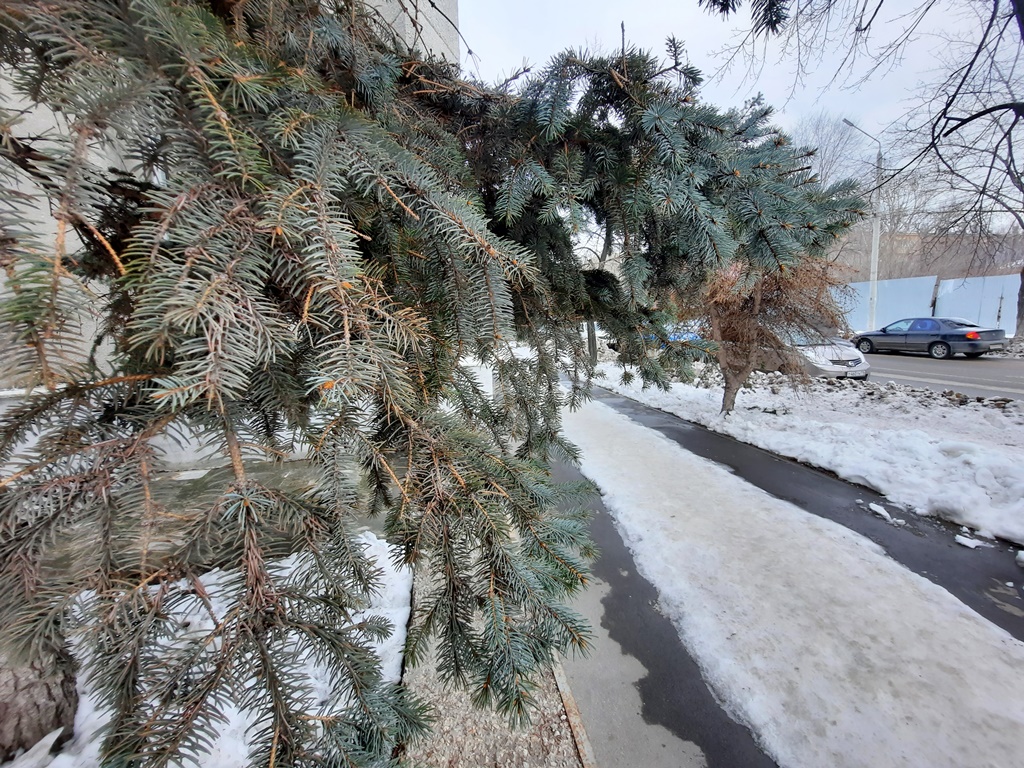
{"points": [[1019, 333], [35, 701], [736, 355], [732, 387], [736, 369], [735, 327]]}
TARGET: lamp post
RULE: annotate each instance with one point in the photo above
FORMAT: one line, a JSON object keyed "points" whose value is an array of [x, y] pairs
{"points": [[876, 227]]}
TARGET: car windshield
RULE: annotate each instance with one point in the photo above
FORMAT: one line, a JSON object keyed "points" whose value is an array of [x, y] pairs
{"points": [[797, 339]]}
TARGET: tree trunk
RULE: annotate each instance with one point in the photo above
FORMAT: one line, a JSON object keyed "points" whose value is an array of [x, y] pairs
{"points": [[737, 362], [592, 341], [733, 382], [1019, 333], [35, 701]]}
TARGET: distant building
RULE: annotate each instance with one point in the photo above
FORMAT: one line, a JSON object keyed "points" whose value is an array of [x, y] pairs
{"points": [[914, 254]]}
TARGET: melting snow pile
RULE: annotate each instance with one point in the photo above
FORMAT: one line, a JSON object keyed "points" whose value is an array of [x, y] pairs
{"points": [[230, 748]]}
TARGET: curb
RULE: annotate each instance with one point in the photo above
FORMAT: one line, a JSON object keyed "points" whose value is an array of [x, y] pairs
{"points": [[572, 712]]}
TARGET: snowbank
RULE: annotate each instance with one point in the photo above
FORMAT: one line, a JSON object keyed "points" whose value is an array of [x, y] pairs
{"points": [[230, 748], [962, 462], [831, 652]]}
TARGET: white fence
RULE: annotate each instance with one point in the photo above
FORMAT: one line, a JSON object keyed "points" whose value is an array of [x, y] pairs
{"points": [[988, 301]]}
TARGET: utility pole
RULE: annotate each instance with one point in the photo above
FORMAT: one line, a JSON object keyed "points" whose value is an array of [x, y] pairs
{"points": [[876, 227]]}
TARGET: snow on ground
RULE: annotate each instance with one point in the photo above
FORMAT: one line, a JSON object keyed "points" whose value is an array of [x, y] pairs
{"points": [[230, 748], [833, 654], [963, 462]]}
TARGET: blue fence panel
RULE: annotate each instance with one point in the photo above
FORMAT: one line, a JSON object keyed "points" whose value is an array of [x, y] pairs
{"points": [[897, 299], [989, 301]]}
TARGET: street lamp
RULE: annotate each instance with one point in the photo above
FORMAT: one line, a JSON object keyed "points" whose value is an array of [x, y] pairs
{"points": [[876, 227]]}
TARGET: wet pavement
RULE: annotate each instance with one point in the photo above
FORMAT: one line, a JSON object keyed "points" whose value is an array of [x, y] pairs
{"points": [[640, 694]]}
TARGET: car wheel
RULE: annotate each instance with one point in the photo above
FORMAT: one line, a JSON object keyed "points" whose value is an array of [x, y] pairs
{"points": [[973, 355], [940, 350], [865, 346]]}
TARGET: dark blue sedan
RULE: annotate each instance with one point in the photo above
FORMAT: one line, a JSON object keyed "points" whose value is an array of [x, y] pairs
{"points": [[940, 337]]}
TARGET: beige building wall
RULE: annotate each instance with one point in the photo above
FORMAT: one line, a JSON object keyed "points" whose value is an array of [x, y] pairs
{"points": [[430, 27]]}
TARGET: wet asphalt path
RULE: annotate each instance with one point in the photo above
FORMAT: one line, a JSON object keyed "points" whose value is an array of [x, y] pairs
{"points": [[641, 695]]}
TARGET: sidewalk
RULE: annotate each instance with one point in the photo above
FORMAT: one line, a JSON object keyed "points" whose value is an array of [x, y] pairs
{"points": [[640, 694], [837, 655]]}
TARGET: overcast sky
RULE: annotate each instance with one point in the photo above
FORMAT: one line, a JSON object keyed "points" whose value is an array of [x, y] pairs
{"points": [[504, 34]]}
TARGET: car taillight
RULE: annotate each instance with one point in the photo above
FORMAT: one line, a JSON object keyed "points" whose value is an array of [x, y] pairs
{"points": [[973, 335]]}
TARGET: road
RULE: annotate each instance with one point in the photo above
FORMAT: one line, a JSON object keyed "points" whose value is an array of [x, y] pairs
{"points": [[983, 377]]}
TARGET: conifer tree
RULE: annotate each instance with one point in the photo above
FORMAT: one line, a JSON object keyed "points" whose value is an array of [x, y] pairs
{"points": [[308, 234]]}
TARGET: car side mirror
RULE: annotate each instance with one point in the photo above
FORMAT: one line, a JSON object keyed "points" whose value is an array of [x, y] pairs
{"points": [[885, 330]]}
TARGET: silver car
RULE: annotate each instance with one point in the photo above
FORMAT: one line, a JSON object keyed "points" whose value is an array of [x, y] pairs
{"points": [[833, 359], [940, 337]]}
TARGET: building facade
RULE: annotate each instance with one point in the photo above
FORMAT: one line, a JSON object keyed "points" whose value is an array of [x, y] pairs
{"points": [[430, 26]]}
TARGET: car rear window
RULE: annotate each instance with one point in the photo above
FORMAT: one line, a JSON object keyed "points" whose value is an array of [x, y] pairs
{"points": [[956, 322]]}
